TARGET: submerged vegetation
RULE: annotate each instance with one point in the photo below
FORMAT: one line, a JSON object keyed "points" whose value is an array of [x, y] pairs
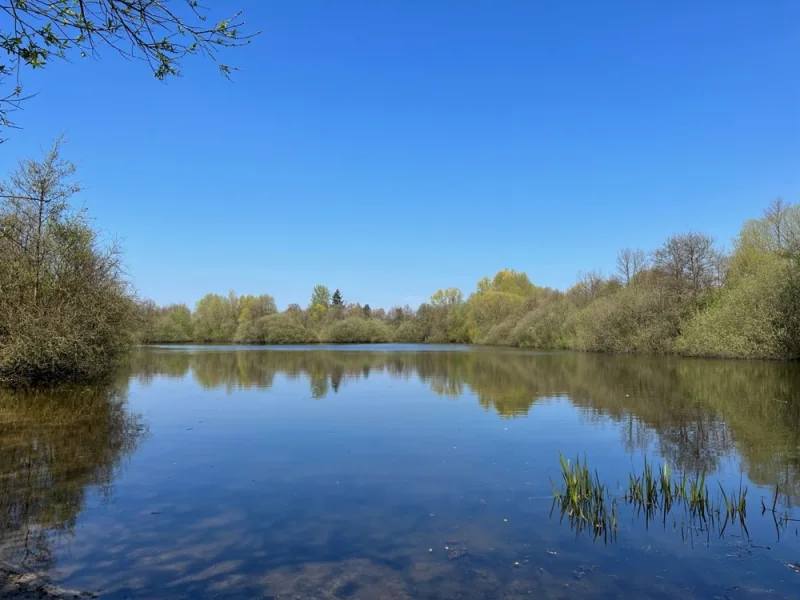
{"points": [[687, 297]]}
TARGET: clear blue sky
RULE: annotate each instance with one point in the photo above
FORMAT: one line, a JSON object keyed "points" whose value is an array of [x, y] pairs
{"points": [[392, 148]]}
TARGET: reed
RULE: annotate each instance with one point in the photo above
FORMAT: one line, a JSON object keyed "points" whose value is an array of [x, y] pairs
{"points": [[589, 504]]}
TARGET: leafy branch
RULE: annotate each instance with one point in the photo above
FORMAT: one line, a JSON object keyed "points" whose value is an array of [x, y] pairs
{"points": [[159, 32]]}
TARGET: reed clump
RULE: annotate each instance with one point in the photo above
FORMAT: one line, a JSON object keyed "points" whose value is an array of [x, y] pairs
{"points": [[589, 504]]}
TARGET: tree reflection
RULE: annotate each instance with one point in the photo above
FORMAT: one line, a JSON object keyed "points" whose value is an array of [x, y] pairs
{"points": [[54, 445], [696, 412]]}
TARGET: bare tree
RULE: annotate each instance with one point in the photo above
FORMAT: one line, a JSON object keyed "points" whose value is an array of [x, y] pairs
{"points": [[783, 227], [690, 261], [589, 283], [630, 262], [36, 198]]}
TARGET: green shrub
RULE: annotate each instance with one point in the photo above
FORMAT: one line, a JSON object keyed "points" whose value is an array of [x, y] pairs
{"points": [[487, 309], [638, 318], [410, 332], [499, 334], [357, 330], [249, 332], [66, 310], [739, 321], [284, 329]]}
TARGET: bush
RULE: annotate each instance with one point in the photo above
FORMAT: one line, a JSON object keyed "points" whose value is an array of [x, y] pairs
{"points": [[491, 308], [642, 318], [410, 332], [739, 322], [249, 332], [66, 311], [541, 328], [284, 329], [356, 330], [499, 334]]}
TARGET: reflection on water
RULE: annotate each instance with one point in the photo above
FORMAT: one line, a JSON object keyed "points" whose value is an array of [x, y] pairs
{"points": [[696, 411], [399, 473], [53, 446]]}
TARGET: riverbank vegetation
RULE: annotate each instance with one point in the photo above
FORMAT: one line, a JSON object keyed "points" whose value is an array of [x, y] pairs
{"points": [[687, 297], [66, 310]]}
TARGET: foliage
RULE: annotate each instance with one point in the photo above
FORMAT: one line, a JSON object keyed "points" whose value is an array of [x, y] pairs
{"points": [[643, 319], [490, 308], [160, 34], [542, 327], [171, 324], [320, 296], [410, 332], [688, 298], [356, 330], [283, 329], [216, 318], [739, 322], [66, 310]]}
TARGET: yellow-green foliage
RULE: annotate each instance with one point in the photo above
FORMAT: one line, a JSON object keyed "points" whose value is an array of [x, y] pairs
{"points": [[739, 321], [638, 318], [357, 330], [489, 309], [499, 334], [542, 327], [410, 332], [66, 310], [688, 298], [172, 324], [283, 329]]}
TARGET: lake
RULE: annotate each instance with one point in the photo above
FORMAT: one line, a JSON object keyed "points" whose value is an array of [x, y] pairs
{"points": [[397, 472]]}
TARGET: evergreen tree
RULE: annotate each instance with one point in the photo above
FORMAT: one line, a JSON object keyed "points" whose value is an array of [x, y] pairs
{"points": [[366, 311], [337, 299]]}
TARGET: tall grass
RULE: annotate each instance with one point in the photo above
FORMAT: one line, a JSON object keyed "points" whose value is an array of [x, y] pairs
{"points": [[590, 505]]}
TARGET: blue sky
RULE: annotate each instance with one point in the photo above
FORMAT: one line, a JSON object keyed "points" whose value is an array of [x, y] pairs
{"points": [[392, 148]]}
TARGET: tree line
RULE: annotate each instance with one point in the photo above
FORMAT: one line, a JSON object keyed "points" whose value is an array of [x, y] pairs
{"points": [[67, 310], [687, 297]]}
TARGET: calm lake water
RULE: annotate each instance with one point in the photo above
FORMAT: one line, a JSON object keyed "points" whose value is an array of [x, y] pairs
{"points": [[395, 472]]}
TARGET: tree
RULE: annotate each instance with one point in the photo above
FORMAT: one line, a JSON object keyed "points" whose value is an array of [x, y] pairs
{"points": [[337, 300], [321, 296], [690, 261], [255, 307], [216, 318], [589, 284], [159, 33], [513, 282], [630, 262], [447, 298], [367, 311], [66, 309]]}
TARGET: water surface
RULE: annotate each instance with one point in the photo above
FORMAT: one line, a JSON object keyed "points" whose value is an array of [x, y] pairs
{"points": [[393, 472]]}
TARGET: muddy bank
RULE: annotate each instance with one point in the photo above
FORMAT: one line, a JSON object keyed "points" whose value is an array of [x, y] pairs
{"points": [[19, 584]]}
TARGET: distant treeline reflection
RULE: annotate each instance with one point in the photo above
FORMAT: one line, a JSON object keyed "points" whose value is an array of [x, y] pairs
{"points": [[695, 411]]}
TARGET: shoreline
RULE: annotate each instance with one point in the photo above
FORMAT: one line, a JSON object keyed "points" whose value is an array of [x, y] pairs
{"points": [[17, 583]]}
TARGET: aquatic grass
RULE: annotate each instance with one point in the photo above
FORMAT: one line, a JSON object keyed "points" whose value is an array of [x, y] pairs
{"points": [[584, 500], [589, 504]]}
